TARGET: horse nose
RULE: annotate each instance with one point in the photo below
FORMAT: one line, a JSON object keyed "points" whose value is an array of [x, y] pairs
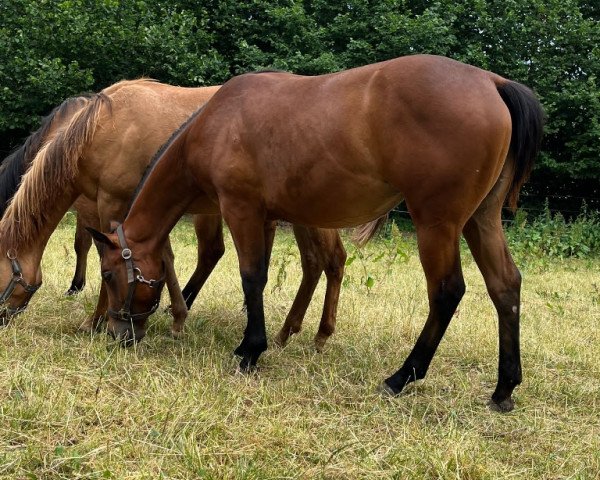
{"points": [[126, 334]]}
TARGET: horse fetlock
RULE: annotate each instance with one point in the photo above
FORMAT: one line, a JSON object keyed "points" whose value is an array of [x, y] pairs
{"points": [[251, 347], [176, 330], [75, 288], [282, 338]]}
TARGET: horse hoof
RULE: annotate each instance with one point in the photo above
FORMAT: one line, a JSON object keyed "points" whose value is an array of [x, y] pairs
{"points": [[320, 343], [506, 405], [176, 334], [385, 390], [281, 340], [86, 327], [247, 366]]}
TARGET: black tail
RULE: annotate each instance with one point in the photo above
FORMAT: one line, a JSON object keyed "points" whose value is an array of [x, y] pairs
{"points": [[527, 129]]}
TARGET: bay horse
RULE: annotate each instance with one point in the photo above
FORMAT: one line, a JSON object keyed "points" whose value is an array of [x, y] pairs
{"points": [[451, 140], [94, 150]]}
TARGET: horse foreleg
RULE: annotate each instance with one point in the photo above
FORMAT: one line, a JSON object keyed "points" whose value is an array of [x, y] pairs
{"points": [[249, 230], [83, 243], [485, 237], [440, 257], [178, 307], [92, 323], [209, 232]]}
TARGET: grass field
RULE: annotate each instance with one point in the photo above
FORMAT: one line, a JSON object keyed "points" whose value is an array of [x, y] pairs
{"points": [[75, 406]]}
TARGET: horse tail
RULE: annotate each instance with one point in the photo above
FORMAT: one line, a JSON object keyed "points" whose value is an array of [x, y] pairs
{"points": [[365, 232], [528, 120], [18, 161]]}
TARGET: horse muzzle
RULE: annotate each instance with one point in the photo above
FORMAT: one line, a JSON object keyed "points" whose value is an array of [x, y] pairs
{"points": [[126, 333]]}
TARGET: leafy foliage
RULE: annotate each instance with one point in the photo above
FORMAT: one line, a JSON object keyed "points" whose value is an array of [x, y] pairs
{"points": [[50, 50], [550, 235]]}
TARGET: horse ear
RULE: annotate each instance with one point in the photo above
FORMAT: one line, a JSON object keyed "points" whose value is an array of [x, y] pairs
{"points": [[100, 237]]}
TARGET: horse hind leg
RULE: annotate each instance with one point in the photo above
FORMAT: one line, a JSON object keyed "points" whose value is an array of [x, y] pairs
{"points": [[320, 250], [439, 253], [83, 243], [486, 240], [311, 260], [334, 257], [209, 232]]}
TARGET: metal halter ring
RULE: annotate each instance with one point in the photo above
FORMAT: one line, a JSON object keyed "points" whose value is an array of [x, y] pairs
{"points": [[11, 253], [126, 254]]}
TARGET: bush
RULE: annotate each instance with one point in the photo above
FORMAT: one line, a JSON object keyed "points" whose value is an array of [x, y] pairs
{"points": [[550, 235]]}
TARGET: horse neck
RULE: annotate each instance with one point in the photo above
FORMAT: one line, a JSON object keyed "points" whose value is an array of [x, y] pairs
{"points": [[164, 197], [30, 247]]}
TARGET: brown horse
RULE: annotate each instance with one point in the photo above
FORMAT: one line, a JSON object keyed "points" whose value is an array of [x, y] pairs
{"points": [[15, 165], [95, 151], [339, 150]]}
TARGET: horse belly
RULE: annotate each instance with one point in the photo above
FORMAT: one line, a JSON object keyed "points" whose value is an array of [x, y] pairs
{"points": [[332, 204]]}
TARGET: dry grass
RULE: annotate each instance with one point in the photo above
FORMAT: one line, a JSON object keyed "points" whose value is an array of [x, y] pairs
{"points": [[74, 406]]}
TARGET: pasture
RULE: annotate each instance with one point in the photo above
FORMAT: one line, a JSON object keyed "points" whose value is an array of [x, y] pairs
{"points": [[78, 406]]}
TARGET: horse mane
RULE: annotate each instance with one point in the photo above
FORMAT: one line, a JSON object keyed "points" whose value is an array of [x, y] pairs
{"points": [[15, 165], [159, 153], [50, 174]]}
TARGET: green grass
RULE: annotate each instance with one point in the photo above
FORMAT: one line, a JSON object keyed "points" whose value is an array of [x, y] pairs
{"points": [[74, 406]]}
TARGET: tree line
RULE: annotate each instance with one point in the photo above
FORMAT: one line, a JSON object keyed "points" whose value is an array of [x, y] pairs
{"points": [[52, 49]]}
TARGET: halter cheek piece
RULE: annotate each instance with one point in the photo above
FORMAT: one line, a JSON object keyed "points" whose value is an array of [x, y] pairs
{"points": [[134, 276], [17, 279]]}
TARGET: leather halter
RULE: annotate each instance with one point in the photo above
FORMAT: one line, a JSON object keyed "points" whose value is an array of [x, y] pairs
{"points": [[17, 279], [134, 276]]}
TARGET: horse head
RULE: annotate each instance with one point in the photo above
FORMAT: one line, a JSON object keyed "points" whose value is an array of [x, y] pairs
{"points": [[134, 281], [19, 280]]}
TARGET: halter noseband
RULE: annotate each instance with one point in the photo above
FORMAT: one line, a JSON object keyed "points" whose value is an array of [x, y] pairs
{"points": [[134, 276], [17, 279]]}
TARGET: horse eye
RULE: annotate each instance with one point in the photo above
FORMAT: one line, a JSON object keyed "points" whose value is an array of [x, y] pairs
{"points": [[107, 275]]}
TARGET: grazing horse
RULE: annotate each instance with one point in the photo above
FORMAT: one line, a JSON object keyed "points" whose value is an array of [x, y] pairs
{"points": [[15, 165], [338, 150], [94, 150]]}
